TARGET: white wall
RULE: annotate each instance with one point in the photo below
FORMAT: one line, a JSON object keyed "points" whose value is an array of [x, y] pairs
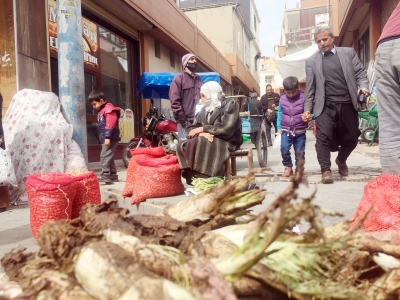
{"points": [[162, 64], [216, 24]]}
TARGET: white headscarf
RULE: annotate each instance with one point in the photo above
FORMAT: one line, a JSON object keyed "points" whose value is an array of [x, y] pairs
{"points": [[213, 92]]}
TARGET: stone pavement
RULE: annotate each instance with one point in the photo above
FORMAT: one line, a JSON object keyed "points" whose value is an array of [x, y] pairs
{"points": [[342, 196]]}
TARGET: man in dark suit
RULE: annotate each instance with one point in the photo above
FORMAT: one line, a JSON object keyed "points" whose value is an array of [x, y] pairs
{"points": [[335, 75]]}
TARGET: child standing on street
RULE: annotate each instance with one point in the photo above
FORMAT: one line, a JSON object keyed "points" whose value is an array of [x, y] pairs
{"points": [[108, 134], [290, 124]]}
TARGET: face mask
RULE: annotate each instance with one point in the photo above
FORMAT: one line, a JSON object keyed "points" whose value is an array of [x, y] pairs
{"points": [[191, 66]]}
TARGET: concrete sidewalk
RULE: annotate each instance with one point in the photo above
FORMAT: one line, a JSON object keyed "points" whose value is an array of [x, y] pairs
{"points": [[342, 196]]}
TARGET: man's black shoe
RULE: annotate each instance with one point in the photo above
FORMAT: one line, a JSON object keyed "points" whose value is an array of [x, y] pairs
{"points": [[269, 144], [114, 177], [105, 177]]}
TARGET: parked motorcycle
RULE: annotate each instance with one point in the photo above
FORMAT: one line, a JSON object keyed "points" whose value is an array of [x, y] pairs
{"points": [[159, 131]]}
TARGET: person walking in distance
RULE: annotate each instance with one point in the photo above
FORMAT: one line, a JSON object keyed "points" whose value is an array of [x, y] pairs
{"points": [[387, 65], [268, 102], [184, 94], [335, 75]]}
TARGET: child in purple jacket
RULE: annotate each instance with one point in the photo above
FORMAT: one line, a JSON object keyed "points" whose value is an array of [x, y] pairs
{"points": [[290, 124]]}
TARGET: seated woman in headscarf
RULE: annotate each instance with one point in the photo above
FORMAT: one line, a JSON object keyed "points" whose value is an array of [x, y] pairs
{"points": [[215, 131]]}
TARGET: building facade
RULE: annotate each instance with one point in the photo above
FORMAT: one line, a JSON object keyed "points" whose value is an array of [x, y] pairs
{"points": [[360, 24], [233, 27], [121, 40], [299, 24]]}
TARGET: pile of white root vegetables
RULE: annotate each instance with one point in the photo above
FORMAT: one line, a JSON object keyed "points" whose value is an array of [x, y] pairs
{"points": [[206, 247]]}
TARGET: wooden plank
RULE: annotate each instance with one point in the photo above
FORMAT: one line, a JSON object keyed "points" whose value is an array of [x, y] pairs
{"points": [[8, 74], [32, 34], [4, 197], [33, 74]]}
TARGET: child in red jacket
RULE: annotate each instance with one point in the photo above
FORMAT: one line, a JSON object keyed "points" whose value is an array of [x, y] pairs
{"points": [[108, 134]]}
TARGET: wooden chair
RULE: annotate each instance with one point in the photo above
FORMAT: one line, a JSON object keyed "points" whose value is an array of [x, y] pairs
{"points": [[230, 165]]}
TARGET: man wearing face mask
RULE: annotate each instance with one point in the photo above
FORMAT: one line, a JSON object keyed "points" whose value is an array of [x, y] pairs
{"points": [[216, 130], [184, 93]]}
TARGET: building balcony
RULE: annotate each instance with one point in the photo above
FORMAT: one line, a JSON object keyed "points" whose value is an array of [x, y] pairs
{"points": [[241, 75]]}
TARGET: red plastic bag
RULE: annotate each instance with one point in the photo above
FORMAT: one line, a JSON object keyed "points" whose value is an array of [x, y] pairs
{"points": [[159, 177], [382, 195], [130, 174], [50, 196], [87, 191]]}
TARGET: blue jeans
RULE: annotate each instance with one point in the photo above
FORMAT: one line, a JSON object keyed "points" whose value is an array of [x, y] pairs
{"points": [[299, 146]]}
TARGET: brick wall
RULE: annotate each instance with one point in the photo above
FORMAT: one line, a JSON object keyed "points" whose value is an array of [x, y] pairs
{"points": [[387, 8]]}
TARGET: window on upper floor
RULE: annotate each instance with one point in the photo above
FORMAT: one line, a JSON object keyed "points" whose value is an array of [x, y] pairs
{"points": [[268, 79], [255, 23]]}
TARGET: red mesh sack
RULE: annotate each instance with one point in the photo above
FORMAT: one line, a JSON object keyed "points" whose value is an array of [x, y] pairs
{"points": [[155, 152], [50, 196], [382, 195], [87, 191], [130, 174], [156, 177]]}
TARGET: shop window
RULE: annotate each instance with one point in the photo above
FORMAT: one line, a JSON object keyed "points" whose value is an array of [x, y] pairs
{"points": [[157, 49], [363, 48], [116, 78]]}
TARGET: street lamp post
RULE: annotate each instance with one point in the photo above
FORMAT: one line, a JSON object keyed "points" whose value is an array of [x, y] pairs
{"points": [[71, 69]]}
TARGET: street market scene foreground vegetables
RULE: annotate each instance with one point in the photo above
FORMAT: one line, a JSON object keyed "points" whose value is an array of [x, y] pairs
{"points": [[198, 249]]}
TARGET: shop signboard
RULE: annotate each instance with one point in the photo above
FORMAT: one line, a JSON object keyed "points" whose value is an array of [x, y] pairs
{"points": [[89, 36]]}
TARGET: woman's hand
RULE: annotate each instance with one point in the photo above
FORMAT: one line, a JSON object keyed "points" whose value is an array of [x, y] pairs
{"points": [[208, 136], [195, 131]]}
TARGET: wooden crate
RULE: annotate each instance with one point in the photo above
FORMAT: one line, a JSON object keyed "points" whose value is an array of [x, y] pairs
{"points": [[4, 197]]}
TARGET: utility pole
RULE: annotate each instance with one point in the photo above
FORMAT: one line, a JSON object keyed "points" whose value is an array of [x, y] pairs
{"points": [[71, 69]]}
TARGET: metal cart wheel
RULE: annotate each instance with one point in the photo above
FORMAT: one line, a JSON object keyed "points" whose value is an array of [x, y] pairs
{"points": [[262, 146]]}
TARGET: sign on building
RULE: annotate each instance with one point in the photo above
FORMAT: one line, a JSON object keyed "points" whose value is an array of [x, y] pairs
{"points": [[89, 36]]}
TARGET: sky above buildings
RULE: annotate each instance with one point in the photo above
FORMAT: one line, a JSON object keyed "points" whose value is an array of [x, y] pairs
{"points": [[271, 15]]}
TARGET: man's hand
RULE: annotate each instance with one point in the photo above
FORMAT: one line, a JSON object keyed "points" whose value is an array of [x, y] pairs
{"points": [[181, 119], [306, 116], [208, 136], [107, 142], [269, 110], [279, 132], [273, 105], [195, 131]]}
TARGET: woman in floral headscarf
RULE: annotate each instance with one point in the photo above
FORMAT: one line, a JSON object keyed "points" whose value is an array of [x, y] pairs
{"points": [[215, 131]]}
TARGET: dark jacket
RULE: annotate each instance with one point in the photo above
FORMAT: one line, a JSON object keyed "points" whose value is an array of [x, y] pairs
{"points": [[265, 104], [354, 73], [107, 119], [291, 111], [184, 94], [198, 153]]}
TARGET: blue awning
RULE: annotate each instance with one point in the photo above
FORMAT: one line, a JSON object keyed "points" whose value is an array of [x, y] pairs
{"points": [[160, 82]]}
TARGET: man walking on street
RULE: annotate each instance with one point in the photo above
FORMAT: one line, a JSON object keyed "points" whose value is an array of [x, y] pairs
{"points": [[269, 101], [334, 77], [387, 66], [184, 93]]}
